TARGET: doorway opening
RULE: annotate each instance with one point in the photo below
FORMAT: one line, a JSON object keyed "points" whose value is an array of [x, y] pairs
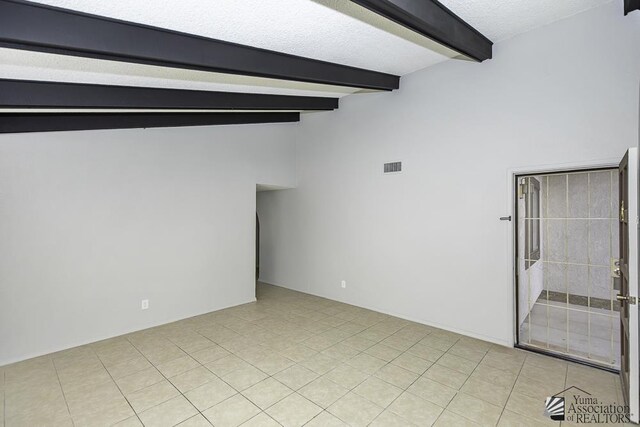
{"points": [[567, 231]]}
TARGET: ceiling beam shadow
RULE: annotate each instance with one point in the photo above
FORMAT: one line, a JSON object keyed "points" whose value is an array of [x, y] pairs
{"points": [[436, 22], [41, 28], [51, 122], [42, 94]]}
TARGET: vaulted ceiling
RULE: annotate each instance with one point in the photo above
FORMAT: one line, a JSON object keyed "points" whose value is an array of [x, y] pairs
{"points": [[384, 38]]}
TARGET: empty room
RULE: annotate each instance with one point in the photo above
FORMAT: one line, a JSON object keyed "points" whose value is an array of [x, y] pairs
{"points": [[319, 213]]}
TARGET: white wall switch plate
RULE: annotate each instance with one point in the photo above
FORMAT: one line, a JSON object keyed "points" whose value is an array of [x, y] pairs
{"points": [[145, 304], [344, 284]]}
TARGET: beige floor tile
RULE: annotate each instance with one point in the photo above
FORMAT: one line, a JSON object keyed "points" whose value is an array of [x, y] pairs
{"points": [[298, 352], [535, 388], [267, 392], [163, 354], [320, 363], [457, 363], [151, 396], [383, 352], [468, 353], [511, 419], [494, 376], [273, 363], [261, 420], [243, 378], [412, 363], [209, 354], [340, 352], [377, 391], [210, 394], [425, 352], [432, 391], [446, 376], [139, 380], [133, 421], [294, 411], [84, 378], [554, 377], [192, 379], [94, 399], [506, 362], [389, 419], [365, 357], [450, 419], [437, 343], [346, 376], [177, 366], [415, 410], [359, 343], [169, 413], [129, 367], [396, 375], [527, 406], [488, 392], [114, 414], [354, 410], [226, 364], [231, 412], [34, 401], [399, 342], [366, 363], [195, 421], [31, 420], [474, 409], [325, 419], [296, 377], [323, 392]]}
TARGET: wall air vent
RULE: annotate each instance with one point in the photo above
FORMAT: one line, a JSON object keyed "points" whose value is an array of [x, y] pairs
{"points": [[393, 167]]}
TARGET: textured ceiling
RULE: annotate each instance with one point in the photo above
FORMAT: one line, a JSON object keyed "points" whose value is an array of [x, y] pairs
{"points": [[332, 30], [501, 19]]}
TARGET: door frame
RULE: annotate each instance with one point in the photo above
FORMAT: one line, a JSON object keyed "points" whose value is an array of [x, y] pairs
{"points": [[511, 230], [634, 357]]}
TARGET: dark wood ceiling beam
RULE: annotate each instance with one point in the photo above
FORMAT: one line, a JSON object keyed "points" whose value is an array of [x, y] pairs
{"points": [[42, 94], [49, 122], [436, 22], [631, 5], [37, 27]]}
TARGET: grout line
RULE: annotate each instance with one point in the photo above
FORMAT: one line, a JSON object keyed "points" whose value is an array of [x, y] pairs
{"points": [[116, 384], [55, 368]]}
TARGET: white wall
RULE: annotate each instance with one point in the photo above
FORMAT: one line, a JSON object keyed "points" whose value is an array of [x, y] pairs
{"points": [[93, 222], [426, 244]]}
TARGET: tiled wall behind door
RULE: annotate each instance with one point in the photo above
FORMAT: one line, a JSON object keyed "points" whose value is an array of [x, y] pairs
{"points": [[580, 214]]}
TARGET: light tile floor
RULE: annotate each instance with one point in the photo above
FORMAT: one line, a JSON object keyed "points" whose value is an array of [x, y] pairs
{"points": [[573, 330], [290, 359]]}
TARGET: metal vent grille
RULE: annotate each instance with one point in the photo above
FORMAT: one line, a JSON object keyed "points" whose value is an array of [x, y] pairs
{"points": [[393, 167]]}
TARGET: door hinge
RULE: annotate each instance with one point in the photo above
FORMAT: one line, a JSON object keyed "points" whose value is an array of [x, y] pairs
{"points": [[522, 188]]}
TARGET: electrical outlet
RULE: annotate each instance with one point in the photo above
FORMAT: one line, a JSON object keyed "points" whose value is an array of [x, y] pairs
{"points": [[344, 284], [145, 304]]}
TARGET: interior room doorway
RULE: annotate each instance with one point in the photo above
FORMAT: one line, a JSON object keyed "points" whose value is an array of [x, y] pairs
{"points": [[576, 267]]}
